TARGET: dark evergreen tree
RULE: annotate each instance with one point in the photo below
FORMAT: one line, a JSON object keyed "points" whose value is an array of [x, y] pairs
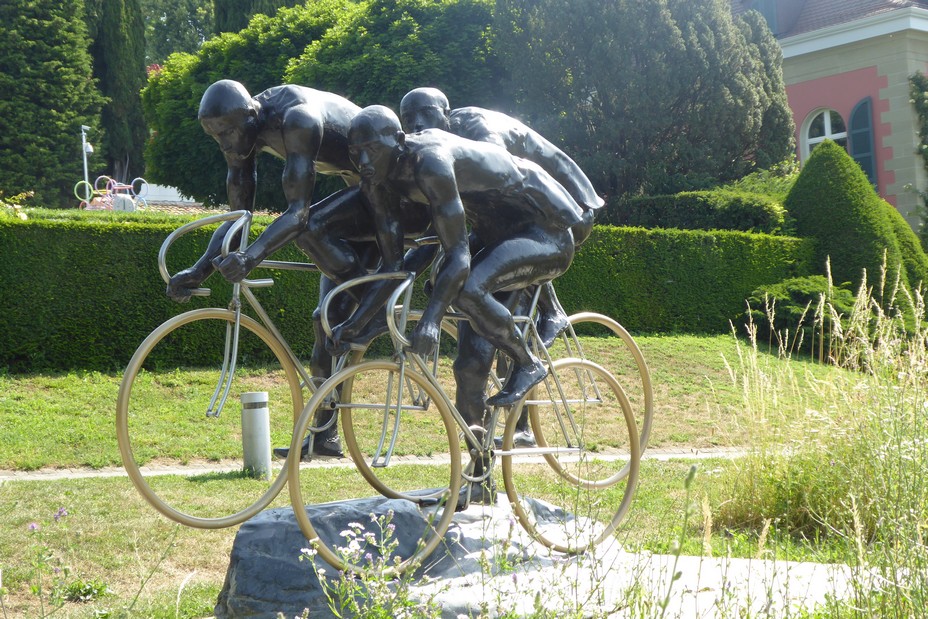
{"points": [[175, 26], [233, 15], [651, 96], [48, 93], [118, 49], [775, 143]]}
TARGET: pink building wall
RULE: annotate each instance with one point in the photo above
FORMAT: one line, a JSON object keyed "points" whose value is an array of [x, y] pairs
{"points": [[841, 93]]}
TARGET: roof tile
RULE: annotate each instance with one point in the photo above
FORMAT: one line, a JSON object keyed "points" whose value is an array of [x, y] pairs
{"points": [[818, 14]]}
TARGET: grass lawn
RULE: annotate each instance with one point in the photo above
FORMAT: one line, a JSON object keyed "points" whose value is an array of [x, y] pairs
{"points": [[67, 420], [111, 536], [75, 538]]}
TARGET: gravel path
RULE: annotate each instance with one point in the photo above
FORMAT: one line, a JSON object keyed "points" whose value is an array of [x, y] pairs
{"points": [[673, 453]]}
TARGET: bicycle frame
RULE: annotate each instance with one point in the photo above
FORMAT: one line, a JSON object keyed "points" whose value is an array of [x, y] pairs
{"points": [[397, 316], [239, 290]]}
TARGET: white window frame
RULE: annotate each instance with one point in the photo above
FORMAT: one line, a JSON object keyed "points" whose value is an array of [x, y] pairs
{"points": [[808, 143]]}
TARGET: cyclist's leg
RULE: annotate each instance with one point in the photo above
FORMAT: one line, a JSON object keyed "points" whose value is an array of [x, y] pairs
{"points": [[552, 319], [530, 256]]}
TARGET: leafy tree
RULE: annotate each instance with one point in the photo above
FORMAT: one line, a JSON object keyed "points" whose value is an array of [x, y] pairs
{"points": [[372, 51], [233, 15], [385, 48], [48, 93], [117, 32], [175, 26], [178, 152], [650, 96]]}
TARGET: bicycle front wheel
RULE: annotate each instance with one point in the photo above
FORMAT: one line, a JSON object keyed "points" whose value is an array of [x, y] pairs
{"points": [[572, 491], [184, 459], [605, 342], [424, 467]]}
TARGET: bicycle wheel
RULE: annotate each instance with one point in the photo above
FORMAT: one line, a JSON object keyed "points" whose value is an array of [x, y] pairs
{"points": [[138, 187], [378, 390], [573, 489], [162, 423], [594, 336], [368, 435], [83, 191], [102, 183]]}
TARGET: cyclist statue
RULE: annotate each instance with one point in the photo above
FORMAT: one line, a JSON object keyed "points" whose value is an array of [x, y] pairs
{"points": [[308, 129], [520, 218], [428, 108]]}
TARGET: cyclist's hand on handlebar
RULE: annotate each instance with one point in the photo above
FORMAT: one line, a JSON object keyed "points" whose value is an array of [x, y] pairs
{"points": [[341, 339], [182, 285], [236, 266], [424, 338]]}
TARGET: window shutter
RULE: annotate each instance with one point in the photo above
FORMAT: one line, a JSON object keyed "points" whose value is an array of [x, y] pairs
{"points": [[860, 138]]}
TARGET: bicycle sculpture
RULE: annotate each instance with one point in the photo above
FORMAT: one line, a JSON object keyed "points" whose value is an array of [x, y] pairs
{"points": [[108, 194], [588, 410]]}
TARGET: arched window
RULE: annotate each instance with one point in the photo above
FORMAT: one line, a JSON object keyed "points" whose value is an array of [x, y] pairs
{"points": [[861, 138], [824, 125]]}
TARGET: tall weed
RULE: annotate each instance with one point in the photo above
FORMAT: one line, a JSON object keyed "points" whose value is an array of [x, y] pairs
{"points": [[854, 467]]}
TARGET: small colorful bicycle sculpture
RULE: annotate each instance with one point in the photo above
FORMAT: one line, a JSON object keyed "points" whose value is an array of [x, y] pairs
{"points": [[108, 194]]}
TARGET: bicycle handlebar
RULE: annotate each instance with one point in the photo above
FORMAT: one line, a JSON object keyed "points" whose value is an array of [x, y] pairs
{"points": [[407, 280], [243, 222], [189, 227]]}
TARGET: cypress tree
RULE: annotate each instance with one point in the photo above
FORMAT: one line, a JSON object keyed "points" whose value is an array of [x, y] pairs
{"points": [[118, 51], [775, 142], [48, 93], [233, 15]]}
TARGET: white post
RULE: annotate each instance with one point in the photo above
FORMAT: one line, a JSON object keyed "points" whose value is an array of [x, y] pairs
{"points": [[256, 434], [84, 145]]}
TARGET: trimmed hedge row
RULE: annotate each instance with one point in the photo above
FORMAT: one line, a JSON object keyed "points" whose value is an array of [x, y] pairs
{"points": [[85, 293], [718, 209], [677, 280]]}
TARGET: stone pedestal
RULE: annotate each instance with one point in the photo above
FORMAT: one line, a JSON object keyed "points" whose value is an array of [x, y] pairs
{"points": [[266, 575]]}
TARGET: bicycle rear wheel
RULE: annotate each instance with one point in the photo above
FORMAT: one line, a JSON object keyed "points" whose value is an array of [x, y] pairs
{"points": [[572, 491], [163, 427], [605, 342], [369, 397]]}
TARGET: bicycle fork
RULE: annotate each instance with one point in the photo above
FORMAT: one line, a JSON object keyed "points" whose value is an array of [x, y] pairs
{"points": [[229, 359], [392, 410]]}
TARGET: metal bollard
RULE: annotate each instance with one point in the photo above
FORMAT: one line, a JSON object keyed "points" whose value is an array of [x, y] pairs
{"points": [[256, 434]]}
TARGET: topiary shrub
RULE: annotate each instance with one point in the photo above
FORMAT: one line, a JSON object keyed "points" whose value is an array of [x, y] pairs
{"points": [[785, 313], [701, 210], [833, 202], [914, 259]]}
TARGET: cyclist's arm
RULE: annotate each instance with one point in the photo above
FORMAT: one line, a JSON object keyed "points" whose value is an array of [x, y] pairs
{"points": [[302, 132]]}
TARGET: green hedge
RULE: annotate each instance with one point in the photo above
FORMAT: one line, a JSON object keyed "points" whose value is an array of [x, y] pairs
{"points": [[677, 280], [720, 209], [84, 292]]}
